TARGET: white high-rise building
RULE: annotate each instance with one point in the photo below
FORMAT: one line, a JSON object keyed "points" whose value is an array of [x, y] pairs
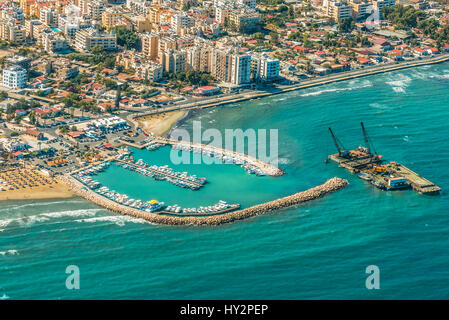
{"points": [[49, 16], [264, 67], [14, 77], [249, 3], [181, 21], [241, 69]]}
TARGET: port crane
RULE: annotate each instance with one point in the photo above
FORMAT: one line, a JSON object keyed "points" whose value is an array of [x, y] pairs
{"points": [[368, 144], [342, 152]]}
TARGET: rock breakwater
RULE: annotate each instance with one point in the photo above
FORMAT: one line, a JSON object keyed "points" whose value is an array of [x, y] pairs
{"points": [[330, 186]]}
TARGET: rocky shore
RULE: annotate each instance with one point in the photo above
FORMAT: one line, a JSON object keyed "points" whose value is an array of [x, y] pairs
{"points": [[331, 185]]}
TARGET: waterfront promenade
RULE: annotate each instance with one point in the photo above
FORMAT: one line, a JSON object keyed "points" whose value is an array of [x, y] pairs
{"points": [[330, 186]]}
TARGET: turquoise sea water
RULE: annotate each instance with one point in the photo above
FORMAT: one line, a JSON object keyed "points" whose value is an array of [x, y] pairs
{"points": [[316, 251]]}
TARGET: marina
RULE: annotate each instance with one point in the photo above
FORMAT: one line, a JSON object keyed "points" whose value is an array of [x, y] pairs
{"points": [[89, 184], [180, 179], [369, 166]]}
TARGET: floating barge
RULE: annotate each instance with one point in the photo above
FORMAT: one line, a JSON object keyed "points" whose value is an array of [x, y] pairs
{"points": [[369, 166]]}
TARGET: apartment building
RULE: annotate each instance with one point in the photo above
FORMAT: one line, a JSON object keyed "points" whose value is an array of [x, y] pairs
{"points": [[338, 9], [95, 9], [14, 77], [198, 58], [49, 16], [360, 9], [240, 69], [150, 45], [111, 18], [244, 20], [53, 42], [12, 32], [264, 68], [181, 21], [173, 61], [87, 38]]}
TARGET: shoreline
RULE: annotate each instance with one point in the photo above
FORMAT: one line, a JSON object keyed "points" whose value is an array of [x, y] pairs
{"points": [[57, 191], [333, 78], [160, 123], [330, 186]]}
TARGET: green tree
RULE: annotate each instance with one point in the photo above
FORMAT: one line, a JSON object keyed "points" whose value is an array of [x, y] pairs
{"points": [[126, 37]]}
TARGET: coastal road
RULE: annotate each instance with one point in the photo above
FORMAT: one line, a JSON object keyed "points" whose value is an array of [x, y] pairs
{"points": [[254, 94]]}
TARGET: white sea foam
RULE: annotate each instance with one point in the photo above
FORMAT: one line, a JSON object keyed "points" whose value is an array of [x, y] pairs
{"points": [[11, 252], [399, 89], [30, 220], [283, 161], [4, 297], [73, 213], [400, 83], [364, 84], [118, 220], [378, 106], [440, 76], [35, 204]]}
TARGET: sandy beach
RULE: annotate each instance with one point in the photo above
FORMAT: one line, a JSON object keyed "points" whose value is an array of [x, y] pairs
{"points": [[29, 184], [160, 123]]}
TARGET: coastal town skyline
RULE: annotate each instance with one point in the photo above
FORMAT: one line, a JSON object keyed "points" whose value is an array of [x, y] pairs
{"points": [[121, 104]]}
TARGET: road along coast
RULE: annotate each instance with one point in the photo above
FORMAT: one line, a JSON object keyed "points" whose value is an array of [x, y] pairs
{"points": [[330, 186], [348, 75]]}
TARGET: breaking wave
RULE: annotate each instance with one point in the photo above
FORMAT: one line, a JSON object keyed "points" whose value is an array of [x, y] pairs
{"points": [[9, 252], [364, 84], [401, 82], [118, 220], [30, 220]]}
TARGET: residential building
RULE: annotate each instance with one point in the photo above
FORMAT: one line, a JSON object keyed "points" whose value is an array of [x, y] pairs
{"points": [[88, 38], [173, 61], [14, 77], [241, 69]]}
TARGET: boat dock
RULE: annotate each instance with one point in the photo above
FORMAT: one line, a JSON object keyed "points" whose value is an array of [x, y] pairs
{"points": [[370, 167], [232, 207], [159, 172]]}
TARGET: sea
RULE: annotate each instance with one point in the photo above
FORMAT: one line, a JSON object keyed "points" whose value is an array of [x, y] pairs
{"points": [[317, 250]]}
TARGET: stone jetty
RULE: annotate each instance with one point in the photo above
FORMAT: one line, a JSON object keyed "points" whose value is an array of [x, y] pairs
{"points": [[331, 185]]}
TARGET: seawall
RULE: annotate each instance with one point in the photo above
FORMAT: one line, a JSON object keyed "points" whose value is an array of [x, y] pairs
{"points": [[330, 186]]}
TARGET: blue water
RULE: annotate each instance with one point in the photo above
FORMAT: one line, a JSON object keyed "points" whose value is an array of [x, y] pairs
{"points": [[319, 250]]}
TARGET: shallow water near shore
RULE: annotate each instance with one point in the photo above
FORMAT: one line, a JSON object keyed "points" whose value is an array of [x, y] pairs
{"points": [[319, 250]]}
